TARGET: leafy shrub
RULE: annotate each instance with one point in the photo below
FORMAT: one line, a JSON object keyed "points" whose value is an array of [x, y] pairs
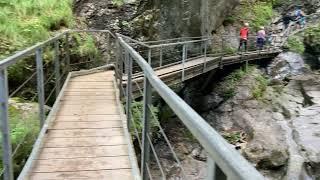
{"points": [[137, 115], [312, 39], [257, 14], [294, 44]]}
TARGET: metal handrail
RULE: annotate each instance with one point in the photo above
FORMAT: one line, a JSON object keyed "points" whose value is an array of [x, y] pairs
{"points": [[4, 94], [24, 53], [224, 156]]}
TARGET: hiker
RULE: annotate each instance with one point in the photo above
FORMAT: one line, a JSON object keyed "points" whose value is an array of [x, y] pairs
{"points": [[261, 38], [286, 20], [244, 34], [300, 17]]}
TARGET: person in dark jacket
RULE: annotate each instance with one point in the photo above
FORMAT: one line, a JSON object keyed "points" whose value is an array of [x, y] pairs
{"points": [[286, 20]]}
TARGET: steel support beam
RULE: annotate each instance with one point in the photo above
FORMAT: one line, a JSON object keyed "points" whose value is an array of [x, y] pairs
{"points": [[5, 128], [40, 86], [145, 157]]}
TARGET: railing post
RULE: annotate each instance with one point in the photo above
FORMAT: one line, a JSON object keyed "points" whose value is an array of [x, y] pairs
{"points": [[40, 86], [161, 56], [213, 171], [67, 49], [129, 87], [205, 56], [146, 127], [108, 48], [57, 67], [5, 128], [149, 56], [222, 53], [119, 67], [184, 57]]}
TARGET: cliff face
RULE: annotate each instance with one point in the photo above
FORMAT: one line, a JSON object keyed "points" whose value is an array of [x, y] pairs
{"points": [[150, 19], [190, 17]]}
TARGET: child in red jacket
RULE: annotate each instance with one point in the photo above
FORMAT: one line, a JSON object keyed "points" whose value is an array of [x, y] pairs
{"points": [[244, 34]]}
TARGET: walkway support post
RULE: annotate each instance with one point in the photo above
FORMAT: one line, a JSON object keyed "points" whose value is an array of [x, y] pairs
{"points": [[57, 67], [67, 49], [40, 86], [5, 128], [205, 56], [161, 56], [184, 57], [246, 66], [147, 101], [128, 63], [149, 56], [222, 53]]}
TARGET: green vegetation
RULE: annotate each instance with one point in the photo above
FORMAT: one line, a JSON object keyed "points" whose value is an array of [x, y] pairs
{"points": [[229, 50], [24, 126], [257, 14], [118, 2], [295, 44], [137, 115], [230, 82], [312, 39], [260, 88], [234, 137], [25, 22]]}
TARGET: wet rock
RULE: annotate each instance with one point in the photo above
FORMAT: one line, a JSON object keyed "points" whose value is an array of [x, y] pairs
{"points": [[307, 135], [287, 64]]}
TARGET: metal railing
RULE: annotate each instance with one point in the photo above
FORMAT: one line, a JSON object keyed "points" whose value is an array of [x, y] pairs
{"points": [[224, 162], [48, 77], [221, 156]]}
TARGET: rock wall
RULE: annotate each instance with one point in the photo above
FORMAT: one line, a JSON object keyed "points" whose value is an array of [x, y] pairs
{"points": [[150, 19], [281, 124], [191, 17]]}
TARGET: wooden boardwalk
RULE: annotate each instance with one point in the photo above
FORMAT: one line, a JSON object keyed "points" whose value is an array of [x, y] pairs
{"points": [[172, 73], [86, 138]]}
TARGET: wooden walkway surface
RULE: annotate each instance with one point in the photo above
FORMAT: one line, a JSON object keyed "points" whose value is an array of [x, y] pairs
{"points": [[86, 139]]}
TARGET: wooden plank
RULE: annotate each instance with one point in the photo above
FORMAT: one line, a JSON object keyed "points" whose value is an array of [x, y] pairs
{"points": [[89, 117], [87, 101], [86, 125], [83, 152], [99, 111], [88, 90], [119, 174], [89, 93], [82, 164], [77, 98], [84, 141], [69, 133]]}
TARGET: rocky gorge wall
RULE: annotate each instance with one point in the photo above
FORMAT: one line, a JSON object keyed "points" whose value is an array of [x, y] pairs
{"points": [[149, 19]]}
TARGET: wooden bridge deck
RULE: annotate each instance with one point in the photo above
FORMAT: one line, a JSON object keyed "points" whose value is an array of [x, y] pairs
{"points": [[86, 138], [172, 73]]}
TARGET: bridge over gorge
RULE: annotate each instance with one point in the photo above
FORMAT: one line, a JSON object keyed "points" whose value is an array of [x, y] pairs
{"points": [[87, 133]]}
